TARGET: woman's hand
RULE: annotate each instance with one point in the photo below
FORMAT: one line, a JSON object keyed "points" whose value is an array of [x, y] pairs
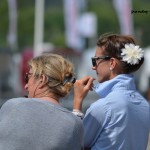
{"points": [[81, 89]]}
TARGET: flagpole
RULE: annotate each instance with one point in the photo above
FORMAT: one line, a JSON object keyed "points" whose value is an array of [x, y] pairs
{"points": [[38, 27], [12, 31]]}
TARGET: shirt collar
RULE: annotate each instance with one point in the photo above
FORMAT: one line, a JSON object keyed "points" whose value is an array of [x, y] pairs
{"points": [[122, 81]]}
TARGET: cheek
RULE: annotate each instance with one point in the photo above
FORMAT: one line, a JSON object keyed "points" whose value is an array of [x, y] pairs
{"points": [[31, 86], [103, 74]]}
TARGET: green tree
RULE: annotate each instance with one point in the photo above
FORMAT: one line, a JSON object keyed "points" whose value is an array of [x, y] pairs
{"points": [[54, 21]]}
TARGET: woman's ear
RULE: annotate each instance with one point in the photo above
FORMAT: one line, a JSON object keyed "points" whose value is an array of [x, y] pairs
{"points": [[42, 81], [112, 63], [115, 66]]}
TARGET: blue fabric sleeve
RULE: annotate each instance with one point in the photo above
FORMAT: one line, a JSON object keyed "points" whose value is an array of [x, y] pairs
{"points": [[94, 121]]}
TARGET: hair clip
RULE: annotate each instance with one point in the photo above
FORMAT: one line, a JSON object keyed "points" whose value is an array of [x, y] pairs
{"points": [[73, 80], [69, 79]]}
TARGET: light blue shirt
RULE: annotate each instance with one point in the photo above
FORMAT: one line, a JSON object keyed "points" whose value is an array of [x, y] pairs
{"points": [[120, 119]]}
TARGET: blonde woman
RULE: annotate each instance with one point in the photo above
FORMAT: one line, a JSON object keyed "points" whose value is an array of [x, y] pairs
{"points": [[39, 122]]}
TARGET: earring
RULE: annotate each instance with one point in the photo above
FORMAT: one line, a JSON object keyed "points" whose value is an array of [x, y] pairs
{"points": [[110, 69]]}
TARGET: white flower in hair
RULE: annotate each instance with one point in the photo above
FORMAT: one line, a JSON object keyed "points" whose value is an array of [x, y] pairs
{"points": [[132, 54]]}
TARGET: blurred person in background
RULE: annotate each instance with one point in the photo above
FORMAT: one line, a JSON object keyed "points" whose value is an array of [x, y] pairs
{"points": [[120, 119], [39, 122], [26, 55], [144, 80]]}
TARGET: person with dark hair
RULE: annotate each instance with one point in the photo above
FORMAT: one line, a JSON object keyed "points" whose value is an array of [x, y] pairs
{"points": [[120, 119], [39, 122]]}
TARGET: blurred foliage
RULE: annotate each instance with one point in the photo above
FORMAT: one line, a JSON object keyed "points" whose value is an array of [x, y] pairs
{"points": [[142, 21], [107, 19], [3, 23], [54, 25], [54, 21], [25, 25]]}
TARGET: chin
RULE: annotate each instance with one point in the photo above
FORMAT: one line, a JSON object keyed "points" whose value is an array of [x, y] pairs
{"points": [[101, 80]]}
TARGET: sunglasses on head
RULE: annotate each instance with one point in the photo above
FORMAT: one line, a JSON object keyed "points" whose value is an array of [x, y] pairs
{"points": [[94, 59]]}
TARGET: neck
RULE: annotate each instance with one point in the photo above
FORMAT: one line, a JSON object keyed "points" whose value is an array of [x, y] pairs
{"points": [[50, 99], [46, 95]]}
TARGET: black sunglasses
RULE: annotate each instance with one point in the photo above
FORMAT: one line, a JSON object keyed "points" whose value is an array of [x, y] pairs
{"points": [[94, 59], [26, 77]]}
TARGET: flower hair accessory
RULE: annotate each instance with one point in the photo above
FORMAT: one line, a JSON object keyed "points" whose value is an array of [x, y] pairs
{"points": [[132, 54]]}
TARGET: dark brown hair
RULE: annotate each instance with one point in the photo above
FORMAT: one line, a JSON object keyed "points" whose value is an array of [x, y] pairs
{"points": [[113, 43]]}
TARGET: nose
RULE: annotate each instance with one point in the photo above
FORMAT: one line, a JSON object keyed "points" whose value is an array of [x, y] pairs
{"points": [[93, 68]]}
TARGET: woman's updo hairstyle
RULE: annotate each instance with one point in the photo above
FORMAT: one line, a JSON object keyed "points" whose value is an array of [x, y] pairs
{"points": [[113, 45], [57, 69]]}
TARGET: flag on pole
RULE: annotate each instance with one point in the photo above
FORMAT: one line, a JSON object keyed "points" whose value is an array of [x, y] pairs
{"points": [[72, 10], [123, 9]]}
